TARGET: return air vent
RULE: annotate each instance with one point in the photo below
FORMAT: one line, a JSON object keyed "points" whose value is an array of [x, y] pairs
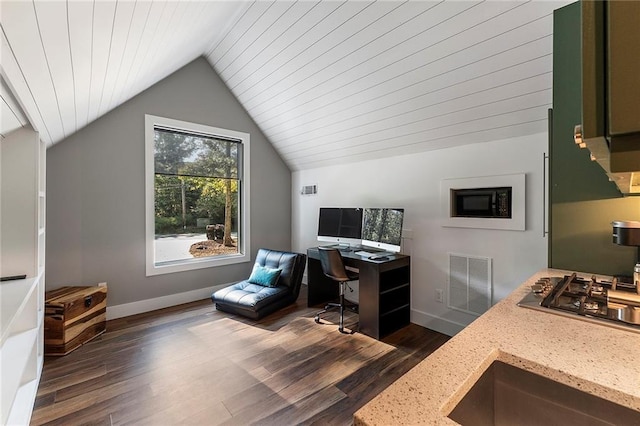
{"points": [[469, 283], [309, 190]]}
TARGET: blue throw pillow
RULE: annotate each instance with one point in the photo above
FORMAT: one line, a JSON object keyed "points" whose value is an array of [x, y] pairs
{"points": [[264, 276]]}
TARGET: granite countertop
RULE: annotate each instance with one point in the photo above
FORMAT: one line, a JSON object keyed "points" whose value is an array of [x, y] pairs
{"points": [[594, 358]]}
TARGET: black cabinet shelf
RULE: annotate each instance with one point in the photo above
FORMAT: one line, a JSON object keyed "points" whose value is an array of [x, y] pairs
{"points": [[395, 288], [394, 310], [393, 278], [394, 320], [392, 300]]}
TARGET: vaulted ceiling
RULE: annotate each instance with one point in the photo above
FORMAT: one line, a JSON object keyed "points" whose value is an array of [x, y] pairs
{"points": [[327, 82]]}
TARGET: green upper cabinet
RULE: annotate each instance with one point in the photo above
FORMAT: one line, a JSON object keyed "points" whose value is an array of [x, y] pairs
{"points": [[574, 176], [611, 88], [623, 94], [583, 200]]}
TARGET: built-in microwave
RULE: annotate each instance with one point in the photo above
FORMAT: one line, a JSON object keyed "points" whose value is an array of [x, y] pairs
{"points": [[481, 202]]}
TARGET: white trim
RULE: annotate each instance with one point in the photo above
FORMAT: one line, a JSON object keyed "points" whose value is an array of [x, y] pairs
{"points": [[515, 181], [432, 322], [142, 306], [244, 220]]}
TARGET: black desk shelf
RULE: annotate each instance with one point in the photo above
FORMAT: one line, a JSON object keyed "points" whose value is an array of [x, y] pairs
{"points": [[394, 289], [391, 279], [394, 320], [385, 291], [394, 299]]}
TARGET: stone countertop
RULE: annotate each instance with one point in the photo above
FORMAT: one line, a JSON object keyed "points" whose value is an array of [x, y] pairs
{"points": [[594, 358]]}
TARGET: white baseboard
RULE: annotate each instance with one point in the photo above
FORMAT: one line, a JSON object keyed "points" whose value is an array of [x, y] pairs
{"points": [[141, 306], [432, 322]]}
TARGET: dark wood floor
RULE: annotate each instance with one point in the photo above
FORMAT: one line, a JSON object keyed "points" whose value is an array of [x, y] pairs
{"points": [[193, 365]]}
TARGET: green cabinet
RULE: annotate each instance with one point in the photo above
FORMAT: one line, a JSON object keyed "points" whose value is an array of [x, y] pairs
{"points": [[611, 89], [583, 202]]}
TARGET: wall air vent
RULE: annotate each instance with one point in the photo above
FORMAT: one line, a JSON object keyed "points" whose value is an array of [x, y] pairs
{"points": [[470, 286], [309, 190]]}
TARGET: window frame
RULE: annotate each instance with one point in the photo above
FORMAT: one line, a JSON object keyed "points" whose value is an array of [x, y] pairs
{"points": [[244, 237]]}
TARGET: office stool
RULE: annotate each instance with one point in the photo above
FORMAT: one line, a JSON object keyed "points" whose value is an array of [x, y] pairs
{"points": [[333, 268]]}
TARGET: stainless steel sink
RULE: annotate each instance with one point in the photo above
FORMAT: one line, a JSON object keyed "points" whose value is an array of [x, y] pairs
{"points": [[507, 395]]}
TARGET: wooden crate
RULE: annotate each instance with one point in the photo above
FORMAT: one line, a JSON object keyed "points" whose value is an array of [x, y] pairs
{"points": [[73, 316]]}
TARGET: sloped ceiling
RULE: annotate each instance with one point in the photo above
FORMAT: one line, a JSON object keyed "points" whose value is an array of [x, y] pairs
{"points": [[70, 62], [327, 82]]}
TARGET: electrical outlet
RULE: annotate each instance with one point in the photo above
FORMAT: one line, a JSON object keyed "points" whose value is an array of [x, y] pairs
{"points": [[103, 284], [439, 295]]}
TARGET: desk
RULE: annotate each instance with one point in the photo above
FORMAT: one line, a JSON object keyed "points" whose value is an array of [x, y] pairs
{"points": [[385, 290]]}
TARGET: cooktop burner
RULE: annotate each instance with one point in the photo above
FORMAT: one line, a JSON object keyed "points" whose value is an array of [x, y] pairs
{"points": [[611, 303]]}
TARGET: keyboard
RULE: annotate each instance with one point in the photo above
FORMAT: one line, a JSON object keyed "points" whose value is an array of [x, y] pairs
{"points": [[364, 253]]}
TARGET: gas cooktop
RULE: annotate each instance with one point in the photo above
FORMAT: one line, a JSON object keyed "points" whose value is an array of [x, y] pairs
{"points": [[612, 303]]}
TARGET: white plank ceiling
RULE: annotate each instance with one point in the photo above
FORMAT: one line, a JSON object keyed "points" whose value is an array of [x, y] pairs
{"points": [[327, 82]]}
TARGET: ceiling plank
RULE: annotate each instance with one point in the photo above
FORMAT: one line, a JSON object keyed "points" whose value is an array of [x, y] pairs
{"points": [[259, 49], [306, 31], [122, 22], [20, 30], [102, 36], [140, 20], [527, 105], [259, 30], [80, 17], [436, 107], [12, 115], [146, 70], [9, 120], [179, 46], [427, 54], [326, 81], [138, 81], [422, 138], [448, 141], [335, 43], [52, 23], [431, 88], [255, 10]]}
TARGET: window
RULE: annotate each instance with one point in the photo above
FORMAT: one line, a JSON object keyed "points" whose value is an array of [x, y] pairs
{"points": [[197, 199]]}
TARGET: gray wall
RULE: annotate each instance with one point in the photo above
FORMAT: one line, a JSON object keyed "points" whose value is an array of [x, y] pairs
{"points": [[95, 191]]}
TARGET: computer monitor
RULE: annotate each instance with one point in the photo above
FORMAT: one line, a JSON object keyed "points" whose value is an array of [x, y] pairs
{"points": [[382, 228], [340, 225]]}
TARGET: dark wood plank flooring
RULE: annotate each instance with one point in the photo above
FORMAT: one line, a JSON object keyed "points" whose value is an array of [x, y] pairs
{"points": [[191, 364]]}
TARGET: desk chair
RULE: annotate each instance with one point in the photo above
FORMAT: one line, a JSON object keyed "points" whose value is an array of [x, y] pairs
{"points": [[333, 268]]}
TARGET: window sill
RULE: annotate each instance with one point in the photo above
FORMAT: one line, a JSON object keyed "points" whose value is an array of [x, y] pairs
{"points": [[194, 264]]}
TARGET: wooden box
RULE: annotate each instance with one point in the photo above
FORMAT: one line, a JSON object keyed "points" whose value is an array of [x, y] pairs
{"points": [[72, 317]]}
